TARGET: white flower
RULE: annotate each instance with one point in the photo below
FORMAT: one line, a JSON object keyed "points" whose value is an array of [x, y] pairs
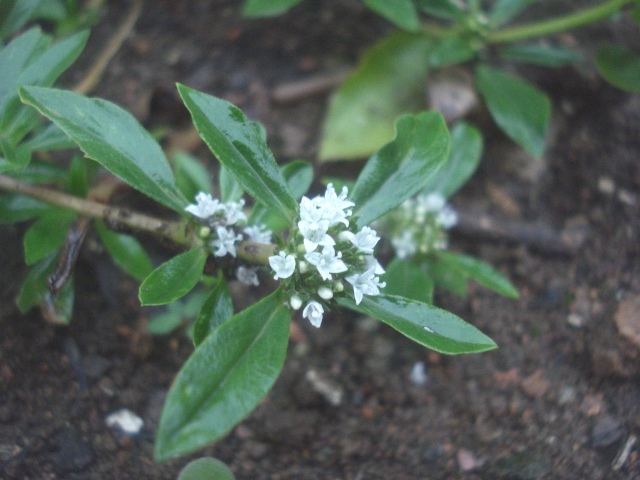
{"points": [[405, 244], [372, 262], [447, 217], [233, 212], [334, 206], [248, 276], [432, 202], [258, 234], [313, 311], [282, 264], [365, 284], [312, 226], [226, 242], [327, 262], [364, 240], [205, 206]]}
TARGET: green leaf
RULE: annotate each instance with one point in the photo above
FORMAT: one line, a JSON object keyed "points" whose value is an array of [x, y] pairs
{"points": [[47, 234], [464, 157], [230, 190], [50, 138], [446, 277], [14, 14], [42, 172], [518, 108], [126, 252], [505, 10], [389, 81], [217, 309], [402, 13], [450, 50], [401, 168], [406, 279], [299, 175], [206, 468], [427, 325], [78, 184], [538, 54], [173, 279], [479, 271], [112, 137], [15, 158], [43, 71], [237, 144], [445, 9], [267, 8], [191, 175], [16, 208], [168, 321], [225, 378], [619, 66]]}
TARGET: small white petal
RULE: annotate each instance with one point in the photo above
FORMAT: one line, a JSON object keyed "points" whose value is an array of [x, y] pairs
{"points": [[313, 311], [282, 264]]}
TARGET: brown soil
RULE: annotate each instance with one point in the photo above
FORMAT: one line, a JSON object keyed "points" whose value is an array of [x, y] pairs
{"points": [[559, 399]]}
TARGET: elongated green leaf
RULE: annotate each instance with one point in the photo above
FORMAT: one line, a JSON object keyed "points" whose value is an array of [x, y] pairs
{"points": [[400, 169], [225, 378], [388, 82], [299, 175], [538, 54], [16, 208], [402, 13], [464, 157], [173, 279], [237, 144], [479, 271], [619, 66], [50, 138], [230, 190], [42, 71], [445, 277], [47, 234], [191, 175], [518, 108], [217, 309], [15, 57], [406, 279], [444, 9], [267, 8], [15, 158], [425, 324], [42, 172], [126, 252], [450, 50], [112, 137], [505, 10], [14, 14]]}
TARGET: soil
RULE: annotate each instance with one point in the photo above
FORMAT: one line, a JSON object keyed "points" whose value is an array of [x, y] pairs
{"points": [[560, 398]]}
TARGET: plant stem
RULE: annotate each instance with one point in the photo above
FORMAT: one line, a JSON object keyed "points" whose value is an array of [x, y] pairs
{"points": [[113, 216], [559, 24]]}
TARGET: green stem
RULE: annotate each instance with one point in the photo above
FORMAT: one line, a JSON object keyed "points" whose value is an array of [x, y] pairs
{"points": [[560, 24]]}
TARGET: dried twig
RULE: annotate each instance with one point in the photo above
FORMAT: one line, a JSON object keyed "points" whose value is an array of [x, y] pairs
{"points": [[295, 91]]}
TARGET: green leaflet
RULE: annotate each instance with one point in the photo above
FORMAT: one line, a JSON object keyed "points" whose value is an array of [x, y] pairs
{"points": [[389, 81], [425, 324], [239, 147], [518, 108], [173, 279], [126, 251], [619, 66], [217, 309], [402, 13], [225, 378], [401, 168], [114, 138]]}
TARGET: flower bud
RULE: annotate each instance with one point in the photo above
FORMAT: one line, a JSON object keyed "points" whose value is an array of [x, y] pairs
{"points": [[295, 302], [303, 267], [301, 249], [204, 232], [325, 293], [338, 286]]}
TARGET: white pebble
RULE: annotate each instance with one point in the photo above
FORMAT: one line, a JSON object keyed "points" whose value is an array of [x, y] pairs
{"points": [[125, 420]]}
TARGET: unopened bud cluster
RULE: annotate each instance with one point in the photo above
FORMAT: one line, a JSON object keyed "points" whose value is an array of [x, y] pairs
{"points": [[420, 224], [223, 226], [324, 253]]}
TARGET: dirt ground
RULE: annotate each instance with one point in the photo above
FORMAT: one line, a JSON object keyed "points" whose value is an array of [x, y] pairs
{"points": [[560, 398]]}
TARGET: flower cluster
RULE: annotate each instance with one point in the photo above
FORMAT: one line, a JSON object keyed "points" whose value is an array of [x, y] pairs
{"points": [[223, 226], [419, 225], [323, 252]]}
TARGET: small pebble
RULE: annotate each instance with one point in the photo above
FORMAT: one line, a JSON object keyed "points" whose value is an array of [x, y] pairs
{"points": [[418, 375], [331, 392], [607, 431], [126, 421]]}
